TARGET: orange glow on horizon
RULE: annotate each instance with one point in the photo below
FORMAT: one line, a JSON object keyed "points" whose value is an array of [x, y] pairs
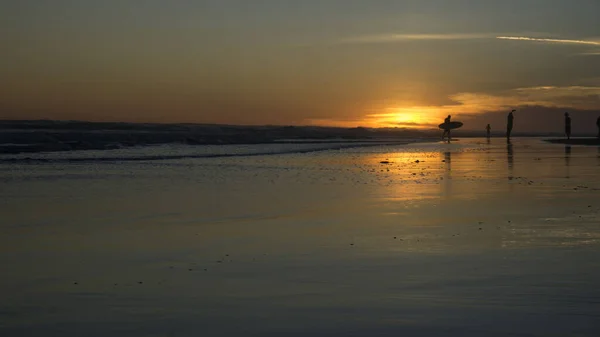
{"points": [[399, 117], [407, 117]]}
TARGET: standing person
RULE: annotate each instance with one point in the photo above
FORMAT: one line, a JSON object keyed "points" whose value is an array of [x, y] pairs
{"points": [[447, 131], [567, 125], [598, 125], [509, 125], [488, 131]]}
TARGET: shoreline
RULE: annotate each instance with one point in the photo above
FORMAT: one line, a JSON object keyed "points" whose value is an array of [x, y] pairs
{"points": [[57, 146], [36, 137], [575, 141], [29, 137], [145, 153]]}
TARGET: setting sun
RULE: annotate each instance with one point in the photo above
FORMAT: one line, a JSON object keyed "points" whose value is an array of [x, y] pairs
{"points": [[413, 117]]}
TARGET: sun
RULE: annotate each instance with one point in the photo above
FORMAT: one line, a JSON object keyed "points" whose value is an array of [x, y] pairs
{"points": [[414, 117], [407, 117]]}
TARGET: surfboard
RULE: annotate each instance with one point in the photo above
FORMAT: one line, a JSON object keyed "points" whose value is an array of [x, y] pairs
{"points": [[450, 126]]}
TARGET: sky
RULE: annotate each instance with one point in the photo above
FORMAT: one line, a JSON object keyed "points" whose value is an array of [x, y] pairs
{"points": [[377, 63]]}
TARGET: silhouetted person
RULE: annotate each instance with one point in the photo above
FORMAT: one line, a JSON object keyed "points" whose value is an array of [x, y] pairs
{"points": [[598, 125], [509, 125], [567, 125], [446, 131], [488, 131]]}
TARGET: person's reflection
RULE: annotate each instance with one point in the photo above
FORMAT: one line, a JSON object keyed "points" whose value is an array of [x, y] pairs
{"points": [[510, 161], [510, 158], [448, 174], [568, 160]]}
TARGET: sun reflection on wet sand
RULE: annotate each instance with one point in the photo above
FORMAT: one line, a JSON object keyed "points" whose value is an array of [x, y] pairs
{"points": [[468, 229]]}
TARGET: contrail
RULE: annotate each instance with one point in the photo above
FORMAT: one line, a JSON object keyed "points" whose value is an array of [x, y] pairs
{"points": [[383, 38], [524, 38], [387, 38]]}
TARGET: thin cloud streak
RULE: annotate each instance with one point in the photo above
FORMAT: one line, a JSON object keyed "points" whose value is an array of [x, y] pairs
{"points": [[384, 38], [533, 39], [389, 38]]}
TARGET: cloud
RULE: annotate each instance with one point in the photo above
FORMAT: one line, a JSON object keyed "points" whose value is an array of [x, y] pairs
{"points": [[547, 40], [469, 105], [577, 97]]}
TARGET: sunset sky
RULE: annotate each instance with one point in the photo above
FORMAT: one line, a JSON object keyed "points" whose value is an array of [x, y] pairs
{"points": [[328, 62]]}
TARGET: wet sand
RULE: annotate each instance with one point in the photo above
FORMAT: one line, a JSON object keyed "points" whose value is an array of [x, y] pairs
{"points": [[576, 141], [464, 239]]}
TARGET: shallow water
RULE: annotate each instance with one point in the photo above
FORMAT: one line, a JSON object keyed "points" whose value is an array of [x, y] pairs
{"points": [[475, 239]]}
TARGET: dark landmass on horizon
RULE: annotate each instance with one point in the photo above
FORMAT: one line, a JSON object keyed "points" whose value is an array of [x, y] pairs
{"points": [[29, 136]]}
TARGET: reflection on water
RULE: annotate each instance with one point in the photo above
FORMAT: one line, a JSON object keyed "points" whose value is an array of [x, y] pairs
{"points": [[355, 236], [510, 158], [448, 174], [568, 160], [448, 158]]}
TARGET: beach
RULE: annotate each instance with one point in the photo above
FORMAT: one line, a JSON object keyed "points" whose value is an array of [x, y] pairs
{"points": [[471, 238]]}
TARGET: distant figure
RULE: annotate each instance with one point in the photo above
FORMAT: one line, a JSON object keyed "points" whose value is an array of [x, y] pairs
{"points": [[567, 125], [509, 125], [598, 125], [488, 131], [446, 131]]}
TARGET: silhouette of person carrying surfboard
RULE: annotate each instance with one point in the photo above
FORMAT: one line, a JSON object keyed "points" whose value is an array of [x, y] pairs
{"points": [[449, 125], [567, 125], [509, 125], [488, 131], [447, 131]]}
